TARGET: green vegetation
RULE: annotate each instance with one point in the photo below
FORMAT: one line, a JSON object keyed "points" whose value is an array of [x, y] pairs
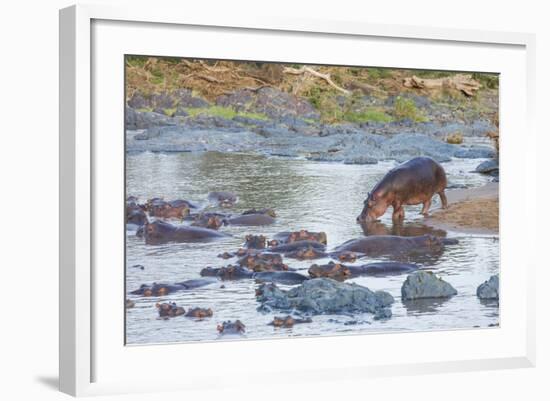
{"points": [[225, 112], [379, 73], [489, 81], [406, 109]]}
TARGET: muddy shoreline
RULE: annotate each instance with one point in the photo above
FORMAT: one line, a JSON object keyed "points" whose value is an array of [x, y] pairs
{"points": [[471, 211]]}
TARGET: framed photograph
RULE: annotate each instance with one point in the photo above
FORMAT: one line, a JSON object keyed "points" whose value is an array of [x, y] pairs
{"points": [[285, 190]]}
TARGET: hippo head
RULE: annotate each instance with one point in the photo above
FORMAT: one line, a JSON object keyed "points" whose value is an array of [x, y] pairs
{"points": [[156, 230], [375, 206]]}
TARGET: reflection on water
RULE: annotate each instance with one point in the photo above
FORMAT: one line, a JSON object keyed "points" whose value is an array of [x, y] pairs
{"points": [[308, 195]]}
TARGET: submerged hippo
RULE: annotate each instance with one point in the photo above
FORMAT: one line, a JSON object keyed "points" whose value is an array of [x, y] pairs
{"points": [[287, 237], [288, 321], [223, 198], [267, 211], [306, 253], [161, 289], [294, 246], [238, 272], [135, 213], [229, 327], [159, 232], [378, 245], [255, 241], [169, 309], [259, 262], [212, 221], [410, 183], [339, 271], [200, 313], [176, 209], [284, 277], [252, 219]]}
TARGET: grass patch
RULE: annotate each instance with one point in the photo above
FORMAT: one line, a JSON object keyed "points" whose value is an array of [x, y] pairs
{"points": [[406, 109], [379, 73], [170, 112], [224, 112]]}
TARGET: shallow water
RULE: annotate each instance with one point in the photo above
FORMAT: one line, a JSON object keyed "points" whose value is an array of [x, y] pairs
{"points": [[316, 196]]}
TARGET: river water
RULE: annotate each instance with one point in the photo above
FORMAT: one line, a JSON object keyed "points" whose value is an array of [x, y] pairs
{"points": [[317, 196]]}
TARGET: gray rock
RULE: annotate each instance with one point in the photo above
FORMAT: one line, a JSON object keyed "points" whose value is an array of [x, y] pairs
{"points": [[488, 167], [324, 295], [136, 120], [403, 147], [489, 289], [425, 285], [474, 152]]}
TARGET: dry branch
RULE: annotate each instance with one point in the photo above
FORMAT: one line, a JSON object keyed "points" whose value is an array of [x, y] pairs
{"points": [[461, 82], [325, 77]]}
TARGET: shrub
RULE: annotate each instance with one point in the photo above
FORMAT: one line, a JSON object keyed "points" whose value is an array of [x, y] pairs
{"points": [[406, 109]]}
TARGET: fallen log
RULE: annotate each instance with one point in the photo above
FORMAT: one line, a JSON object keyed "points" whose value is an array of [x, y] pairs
{"points": [[325, 77], [461, 82]]}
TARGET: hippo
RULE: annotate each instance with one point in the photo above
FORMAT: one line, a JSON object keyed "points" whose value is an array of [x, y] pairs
{"points": [[229, 327], [238, 272], [160, 289], [223, 198], [342, 272], [284, 248], [287, 322], [346, 256], [135, 213], [287, 237], [169, 309], [410, 183], [263, 262], [200, 313], [306, 253], [255, 241], [253, 219], [229, 272], [129, 304], [378, 245], [176, 209], [282, 277], [159, 232], [212, 221], [267, 211]]}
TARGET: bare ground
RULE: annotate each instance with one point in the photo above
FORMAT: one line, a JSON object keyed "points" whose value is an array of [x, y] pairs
{"points": [[473, 211]]}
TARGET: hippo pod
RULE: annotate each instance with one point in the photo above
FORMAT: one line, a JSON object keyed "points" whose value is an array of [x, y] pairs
{"points": [[160, 289], [287, 237], [169, 309], [229, 327], [252, 219], [377, 245], [176, 209], [223, 198], [238, 272], [294, 246], [410, 183], [159, 232], [341, 272], [287, 322]]}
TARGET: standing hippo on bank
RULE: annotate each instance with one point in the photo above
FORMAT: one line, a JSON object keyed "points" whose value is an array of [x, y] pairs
{"points": [[410, 183]]}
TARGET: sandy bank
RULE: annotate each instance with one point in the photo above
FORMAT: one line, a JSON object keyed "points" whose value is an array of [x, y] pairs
{"points": [[472, 210]]}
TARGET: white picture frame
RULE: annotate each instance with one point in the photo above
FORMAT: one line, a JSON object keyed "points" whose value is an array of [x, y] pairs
{"points": [[92, 359]]}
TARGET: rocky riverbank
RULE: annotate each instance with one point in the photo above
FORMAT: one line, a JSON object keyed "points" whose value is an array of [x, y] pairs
{"points": [[293, 129]]}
